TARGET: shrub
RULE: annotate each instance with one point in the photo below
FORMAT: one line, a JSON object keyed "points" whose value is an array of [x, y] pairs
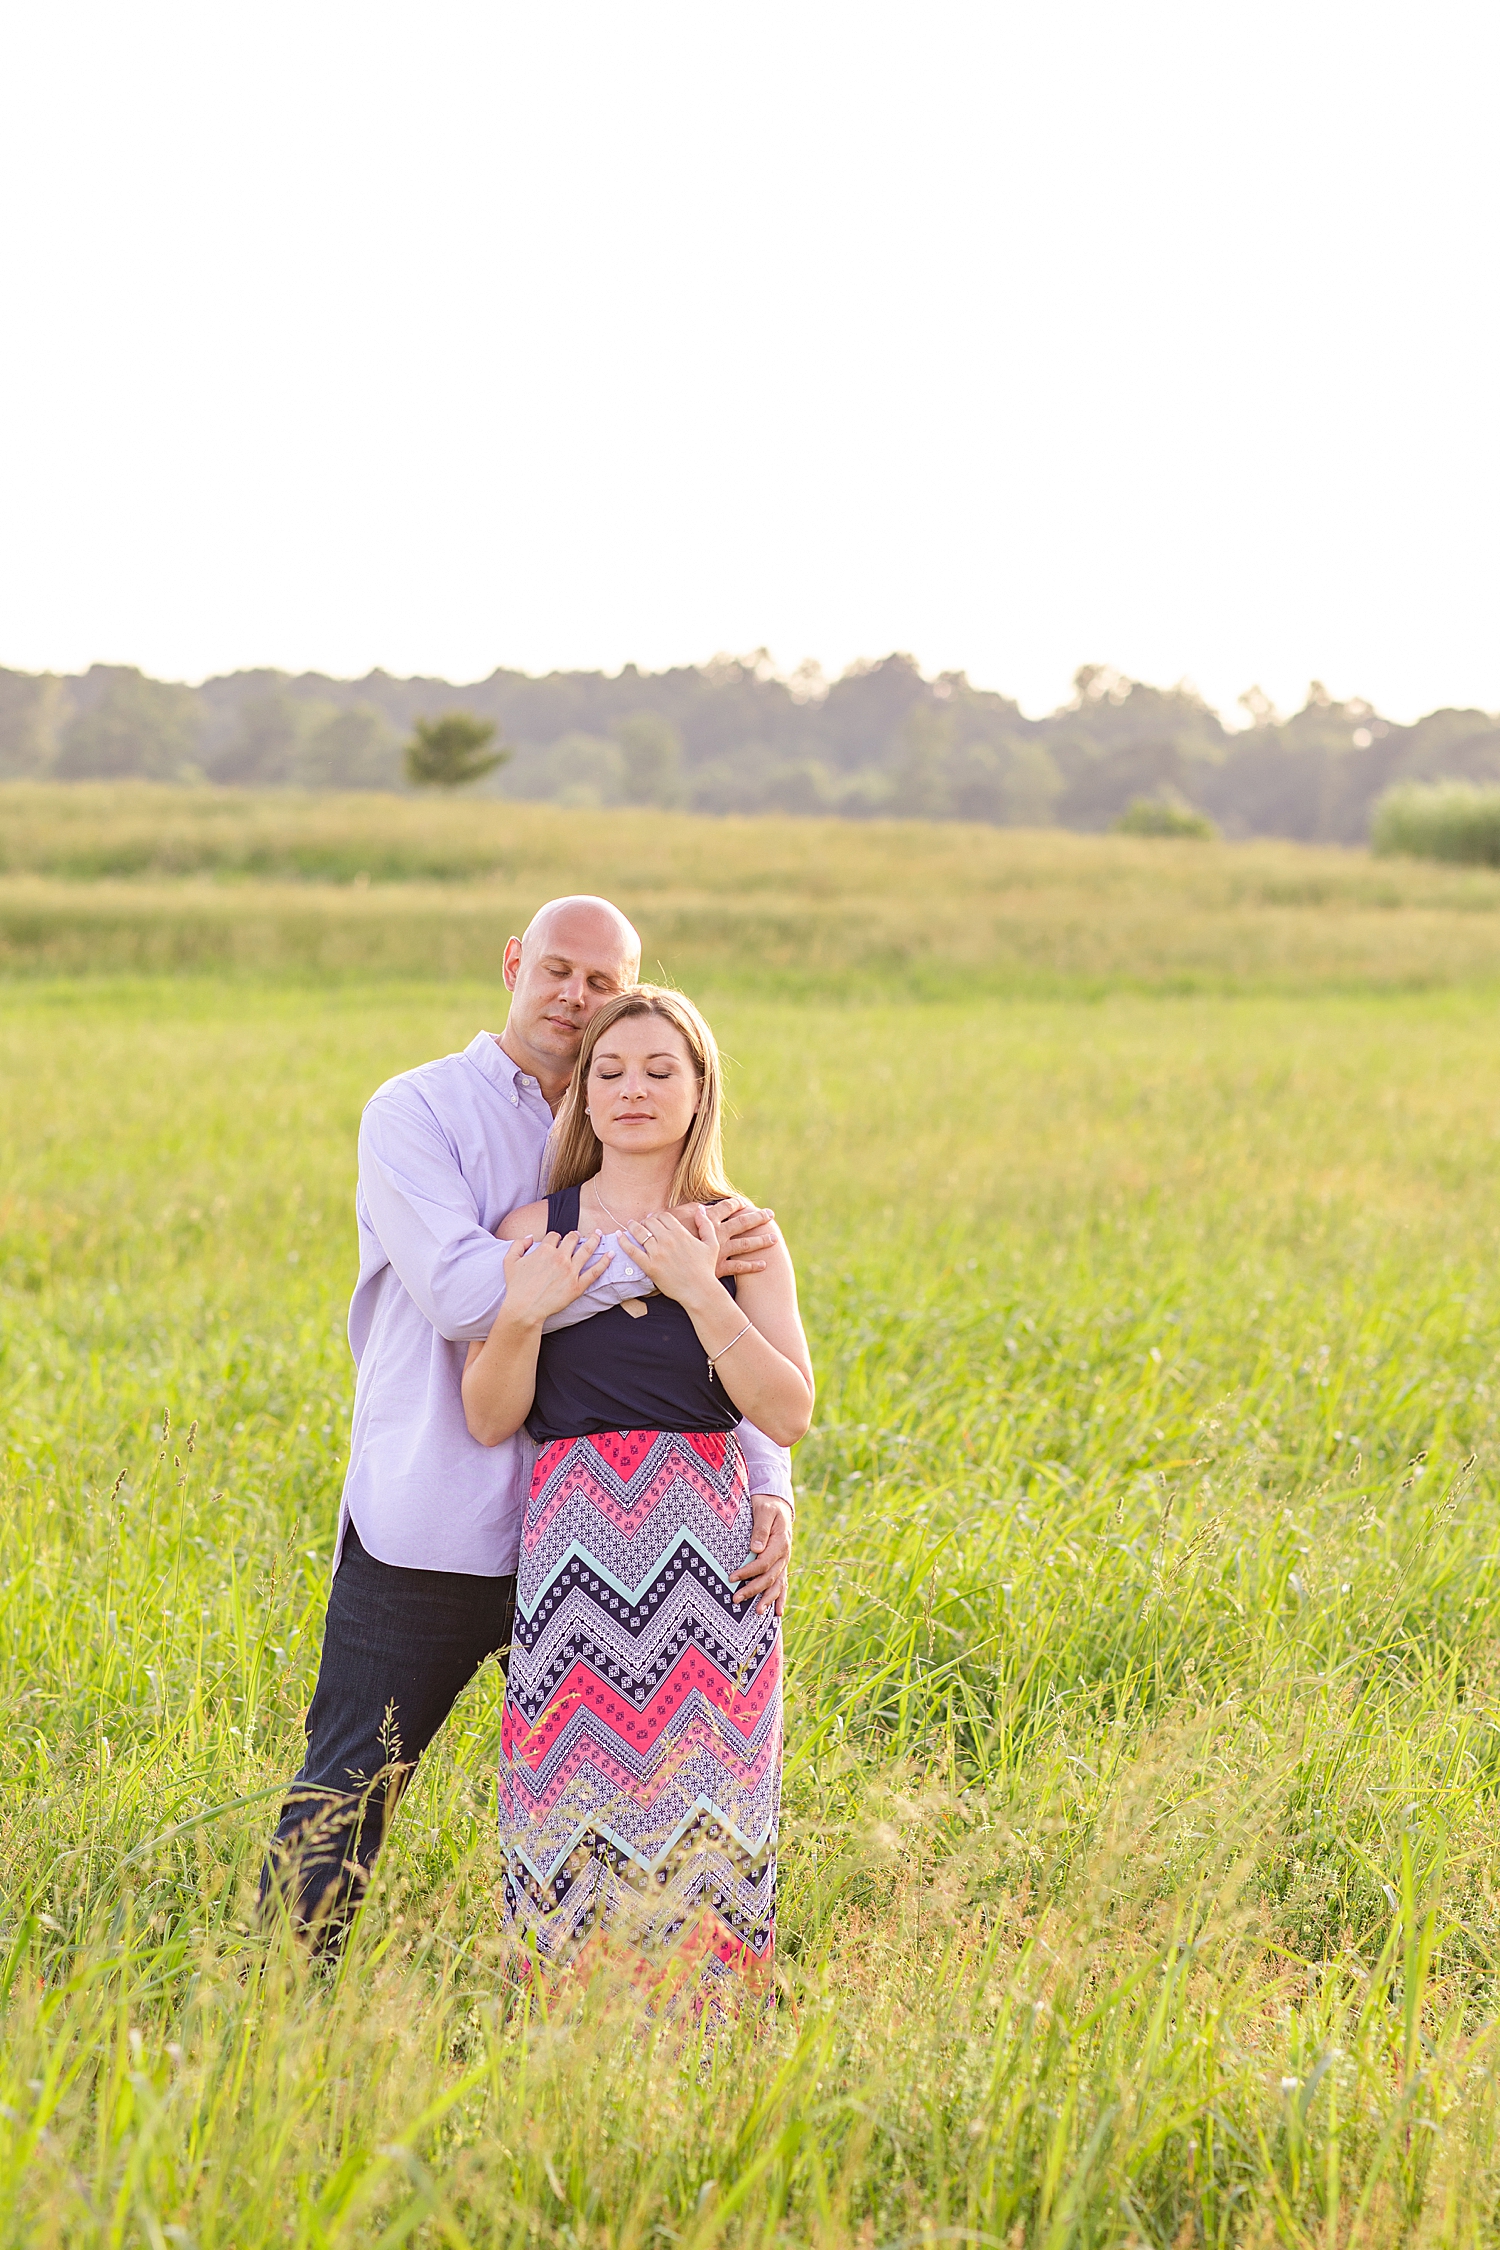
{"points": [[1164, 816], [1439, 820]]}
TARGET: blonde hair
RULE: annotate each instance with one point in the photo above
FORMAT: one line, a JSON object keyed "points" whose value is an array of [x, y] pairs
{"points": [[575, 1151]]}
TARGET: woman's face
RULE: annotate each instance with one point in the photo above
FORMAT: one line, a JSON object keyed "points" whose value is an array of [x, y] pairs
{"points": [[642, 1087]]}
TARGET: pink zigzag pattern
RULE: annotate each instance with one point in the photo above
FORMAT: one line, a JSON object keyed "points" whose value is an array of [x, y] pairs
{"points": [[627, 1497], [588, 1757], [642, 1735]]}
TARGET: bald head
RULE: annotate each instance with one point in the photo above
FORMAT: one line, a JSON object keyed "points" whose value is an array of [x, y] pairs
{"points": [[583, 920], [576, 953]]}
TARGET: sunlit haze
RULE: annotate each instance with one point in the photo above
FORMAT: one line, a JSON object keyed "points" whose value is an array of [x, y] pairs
{"points": [[1016, 337]]}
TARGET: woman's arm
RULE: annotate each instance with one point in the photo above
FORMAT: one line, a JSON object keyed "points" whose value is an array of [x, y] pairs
{"points": [[769, 1298], [541, 1277], [755, 1342]]}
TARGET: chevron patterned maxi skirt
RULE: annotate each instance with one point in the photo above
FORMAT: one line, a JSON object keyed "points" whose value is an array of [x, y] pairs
{"points": [[640, 1782]]}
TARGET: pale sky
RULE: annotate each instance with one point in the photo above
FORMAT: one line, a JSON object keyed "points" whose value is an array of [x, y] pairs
{"points": [[1016, 336]]}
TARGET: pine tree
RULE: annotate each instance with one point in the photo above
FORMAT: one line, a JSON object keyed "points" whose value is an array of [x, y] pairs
{"points": [[449, 752]]}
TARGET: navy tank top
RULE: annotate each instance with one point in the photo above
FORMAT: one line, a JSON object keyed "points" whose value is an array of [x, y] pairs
{"points": [[616, 1371]]}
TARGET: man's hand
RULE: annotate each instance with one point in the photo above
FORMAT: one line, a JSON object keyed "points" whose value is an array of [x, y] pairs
{"points": [[764, 1573], [742, 1231]]}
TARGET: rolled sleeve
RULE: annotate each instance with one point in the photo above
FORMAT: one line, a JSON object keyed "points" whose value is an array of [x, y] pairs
{"points": [[768, 1466], [620, 1279]]}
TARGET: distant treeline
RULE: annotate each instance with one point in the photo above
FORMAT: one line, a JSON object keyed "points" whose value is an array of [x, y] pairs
{"points": [[732, 736]]}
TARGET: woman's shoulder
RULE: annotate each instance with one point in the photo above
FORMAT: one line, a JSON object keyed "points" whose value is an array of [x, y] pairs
{"points": [[717, 1206], [529, 1218]]}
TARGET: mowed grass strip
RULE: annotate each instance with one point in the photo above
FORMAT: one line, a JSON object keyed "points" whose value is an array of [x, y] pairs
{"points": [[1143, 1737]]}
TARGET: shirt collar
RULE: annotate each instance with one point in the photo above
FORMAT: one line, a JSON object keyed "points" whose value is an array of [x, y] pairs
{"points": [[492, 1062]]}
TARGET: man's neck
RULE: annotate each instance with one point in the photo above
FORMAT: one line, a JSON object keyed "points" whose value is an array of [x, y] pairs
{"points": [[552, 1077]]}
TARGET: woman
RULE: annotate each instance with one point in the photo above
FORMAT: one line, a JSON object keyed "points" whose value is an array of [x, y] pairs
{"points": [[641, 1781]]}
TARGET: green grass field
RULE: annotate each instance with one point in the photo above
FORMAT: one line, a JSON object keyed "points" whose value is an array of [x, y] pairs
{"points": [[1141, 1870], [133, 878]]}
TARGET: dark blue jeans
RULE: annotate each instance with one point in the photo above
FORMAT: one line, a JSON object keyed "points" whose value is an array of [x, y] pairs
{"points": [[399, 1646]]}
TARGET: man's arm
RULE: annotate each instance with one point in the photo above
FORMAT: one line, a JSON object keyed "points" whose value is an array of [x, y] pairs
{"points": [[427, 1218], [743, 1232], [768, 1466], [762, 1576]]}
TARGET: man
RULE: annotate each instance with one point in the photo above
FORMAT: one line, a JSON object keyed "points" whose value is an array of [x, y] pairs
{"points": [[430, 1526]]}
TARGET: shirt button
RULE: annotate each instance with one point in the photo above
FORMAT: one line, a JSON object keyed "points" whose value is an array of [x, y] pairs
{"points": [[630, 1273], [515, 1101]]}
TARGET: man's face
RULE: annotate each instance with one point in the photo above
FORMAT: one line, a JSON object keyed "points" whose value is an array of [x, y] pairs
{"points": [[560, 976]]}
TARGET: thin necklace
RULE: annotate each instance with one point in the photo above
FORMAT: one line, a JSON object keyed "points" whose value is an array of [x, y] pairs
{"points": [[604, 1207]]}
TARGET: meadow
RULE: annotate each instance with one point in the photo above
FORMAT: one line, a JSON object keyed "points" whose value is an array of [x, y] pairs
{"points": [[1140, 1877], [135, 878]]}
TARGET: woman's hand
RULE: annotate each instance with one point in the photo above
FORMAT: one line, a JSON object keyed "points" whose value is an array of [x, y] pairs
{"points": [[542, 1278], [499, 1378], [682, 1261], [755, 1347]]}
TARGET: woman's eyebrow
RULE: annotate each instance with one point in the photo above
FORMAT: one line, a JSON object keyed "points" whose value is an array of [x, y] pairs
{"points": [[657, 1054]]}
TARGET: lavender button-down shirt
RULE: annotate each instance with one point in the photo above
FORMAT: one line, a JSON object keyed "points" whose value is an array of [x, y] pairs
{"points": [[445, 1153]]}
